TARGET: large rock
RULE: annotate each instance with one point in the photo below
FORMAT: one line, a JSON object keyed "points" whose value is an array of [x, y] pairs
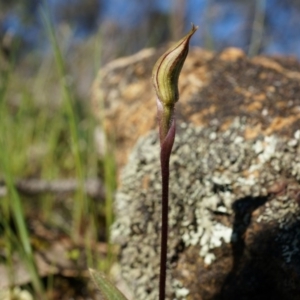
{"points": [[235, 173], [213, 90]]}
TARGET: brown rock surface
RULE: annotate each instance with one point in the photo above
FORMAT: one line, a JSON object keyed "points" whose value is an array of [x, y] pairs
{"points": [[214, 88], [235, 176]]}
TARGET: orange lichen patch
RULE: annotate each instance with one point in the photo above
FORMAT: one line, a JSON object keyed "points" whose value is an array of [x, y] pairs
{"points": [[267, 63], [251, 174], [281, 104], [259, 97], [145, 182], [188, 92], [135, 90], [202, 72], [140, 120], [270, 89], [129, 122], [254, 106], [210, 110], [232, 54], [263, 75], [278, 187], [140, 69], [243, 92], [271, 64], [195, 56], [191, 83], [296, 111], [225, 125], [279, 123], [252, 132], [194, 80], [197, 118]]}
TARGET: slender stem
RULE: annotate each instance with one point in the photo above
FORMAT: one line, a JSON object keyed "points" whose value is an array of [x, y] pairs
{"points": [[165, 76], [165, 153], [164, 225]]}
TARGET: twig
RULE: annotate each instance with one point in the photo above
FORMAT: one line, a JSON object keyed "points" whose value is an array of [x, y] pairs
{"points": [[258, 28], [93, 187]]}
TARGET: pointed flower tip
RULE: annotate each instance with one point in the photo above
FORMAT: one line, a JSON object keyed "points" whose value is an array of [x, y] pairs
{"points": [[191, 32], [194, 27], [166, 71]]}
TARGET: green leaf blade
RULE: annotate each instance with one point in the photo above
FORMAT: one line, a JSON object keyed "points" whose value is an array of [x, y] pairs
{"points": [[107, 290]]}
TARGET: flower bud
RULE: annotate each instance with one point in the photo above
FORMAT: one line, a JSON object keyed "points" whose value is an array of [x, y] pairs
{"points": [[167, 69], [165, 76]]}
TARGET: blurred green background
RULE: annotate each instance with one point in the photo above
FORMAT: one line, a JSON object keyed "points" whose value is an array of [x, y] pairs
{"points": [[50, 53]]}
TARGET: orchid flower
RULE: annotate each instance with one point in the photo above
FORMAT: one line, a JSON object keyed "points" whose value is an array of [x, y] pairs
{"points": [[165, 76]]}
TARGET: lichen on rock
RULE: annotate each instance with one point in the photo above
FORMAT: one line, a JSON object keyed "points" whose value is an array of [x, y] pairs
{"points": [[234, 182], [218, 183]]}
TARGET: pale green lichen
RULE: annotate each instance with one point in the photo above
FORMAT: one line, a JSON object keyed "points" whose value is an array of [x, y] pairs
{"points": [[210, 171]]}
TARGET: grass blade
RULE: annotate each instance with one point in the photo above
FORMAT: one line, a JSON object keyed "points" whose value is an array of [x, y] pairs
{"points": [[107, 290]]}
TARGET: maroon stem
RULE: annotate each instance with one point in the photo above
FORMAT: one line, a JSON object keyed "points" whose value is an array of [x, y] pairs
{"points": [[165, 154], [164, 227]]}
